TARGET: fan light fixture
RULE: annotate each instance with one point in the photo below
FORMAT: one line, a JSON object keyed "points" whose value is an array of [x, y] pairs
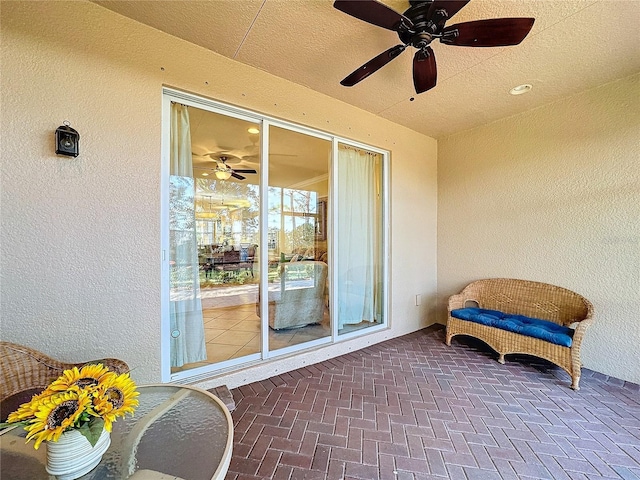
{"points": [[222, 174], [217, 207], [210, 213], [253, 130]]}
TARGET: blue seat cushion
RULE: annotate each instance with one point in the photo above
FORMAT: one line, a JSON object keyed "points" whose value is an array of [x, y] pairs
{"points": [[531, 327]]}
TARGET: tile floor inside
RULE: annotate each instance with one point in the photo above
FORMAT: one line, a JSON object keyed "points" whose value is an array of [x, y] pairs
{"points": [[232, 326]]}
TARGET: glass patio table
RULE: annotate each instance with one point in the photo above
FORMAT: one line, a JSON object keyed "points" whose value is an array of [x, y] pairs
{"points": [[177, 432]]}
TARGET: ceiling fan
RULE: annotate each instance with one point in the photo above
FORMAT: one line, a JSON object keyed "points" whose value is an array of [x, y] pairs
{"points": [[248, 154], [420, 25], [251, 153], [224, 171]]}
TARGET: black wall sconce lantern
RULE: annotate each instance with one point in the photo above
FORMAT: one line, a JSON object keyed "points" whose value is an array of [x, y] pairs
{"points": [[67, 140]]}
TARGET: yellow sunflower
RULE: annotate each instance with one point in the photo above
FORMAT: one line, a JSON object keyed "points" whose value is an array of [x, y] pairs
{"points": [[28, 409], [55, 413], [115, 397], [88, 376]]}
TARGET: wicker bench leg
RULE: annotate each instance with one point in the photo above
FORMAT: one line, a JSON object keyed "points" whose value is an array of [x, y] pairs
{"points": [[575, 382], [576, 369], [501, 358]]}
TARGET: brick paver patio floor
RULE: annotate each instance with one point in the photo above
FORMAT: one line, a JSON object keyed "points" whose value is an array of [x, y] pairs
{"points": [[413, 408]]}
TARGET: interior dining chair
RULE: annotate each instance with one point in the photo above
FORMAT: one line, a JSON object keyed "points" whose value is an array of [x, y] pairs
{"points": [[26, 372]]}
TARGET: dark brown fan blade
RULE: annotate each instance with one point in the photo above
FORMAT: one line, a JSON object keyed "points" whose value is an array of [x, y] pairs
{"points": [[239, 177], [451, 7], [495, 32], [425, 74], [375, 13], [372, 66], [251, 170]]}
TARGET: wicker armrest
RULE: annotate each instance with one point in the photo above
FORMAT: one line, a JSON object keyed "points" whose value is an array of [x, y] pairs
{"points": [[581, 328], [457, 301]]}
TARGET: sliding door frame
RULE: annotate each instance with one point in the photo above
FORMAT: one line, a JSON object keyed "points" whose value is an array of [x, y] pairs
{"points": [[264, 122], [170, 95], [264, 217]]}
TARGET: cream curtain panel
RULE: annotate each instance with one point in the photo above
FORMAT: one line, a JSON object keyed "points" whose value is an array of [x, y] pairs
{"points": [[358, 236], [187, 324]]}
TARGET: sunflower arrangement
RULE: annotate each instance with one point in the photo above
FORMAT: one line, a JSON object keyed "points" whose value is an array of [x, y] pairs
{"points": [[89, 399]]}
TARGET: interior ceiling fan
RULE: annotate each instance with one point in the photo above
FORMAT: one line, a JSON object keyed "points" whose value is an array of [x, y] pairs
{"points": [[420, 25], [251, 153], [224, 171]]}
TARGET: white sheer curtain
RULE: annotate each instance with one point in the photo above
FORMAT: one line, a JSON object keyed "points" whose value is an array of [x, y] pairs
{"points": [[187, 324], [358, 233]]}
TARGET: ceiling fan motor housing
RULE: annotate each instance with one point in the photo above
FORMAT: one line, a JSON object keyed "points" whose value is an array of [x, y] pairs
{"points": [[421, 35]]}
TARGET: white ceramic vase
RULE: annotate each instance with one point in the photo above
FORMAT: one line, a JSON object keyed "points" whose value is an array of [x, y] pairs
{"points": [[73, 456]]}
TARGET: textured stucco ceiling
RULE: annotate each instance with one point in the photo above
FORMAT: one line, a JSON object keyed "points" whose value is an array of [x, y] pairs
{"points": [[574, 45]]}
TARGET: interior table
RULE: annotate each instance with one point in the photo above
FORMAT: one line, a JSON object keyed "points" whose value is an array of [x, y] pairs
{"points": [[177, 432]]}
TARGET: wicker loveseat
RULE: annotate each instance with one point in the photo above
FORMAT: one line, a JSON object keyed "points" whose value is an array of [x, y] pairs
{"points": [[505, 313]]}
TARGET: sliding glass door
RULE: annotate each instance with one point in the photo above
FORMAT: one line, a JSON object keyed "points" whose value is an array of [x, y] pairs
{"points": [[298, 190], [214, 239], [275, 238]]}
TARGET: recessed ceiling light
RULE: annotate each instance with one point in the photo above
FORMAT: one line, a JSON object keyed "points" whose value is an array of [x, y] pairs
{"points": [[253, 130], [205, 174], [520, 89]]}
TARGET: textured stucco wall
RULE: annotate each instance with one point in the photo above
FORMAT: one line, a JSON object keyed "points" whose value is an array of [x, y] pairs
{"points": [[552, 195], [80, 238]]}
